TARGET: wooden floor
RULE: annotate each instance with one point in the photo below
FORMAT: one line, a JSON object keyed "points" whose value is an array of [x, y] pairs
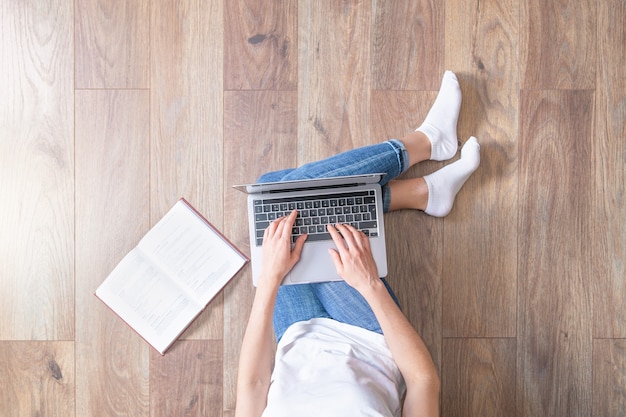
{"points": [[112, 110]]}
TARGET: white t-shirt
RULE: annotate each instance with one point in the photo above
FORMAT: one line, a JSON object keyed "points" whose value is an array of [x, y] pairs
{"points": [[326, 368]]}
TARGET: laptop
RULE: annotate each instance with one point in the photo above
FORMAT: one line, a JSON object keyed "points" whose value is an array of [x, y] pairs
{"points": [[355, 200]]}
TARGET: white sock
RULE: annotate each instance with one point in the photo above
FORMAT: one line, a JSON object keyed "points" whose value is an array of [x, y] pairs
{"points": [[440, 123], [444, 184]]}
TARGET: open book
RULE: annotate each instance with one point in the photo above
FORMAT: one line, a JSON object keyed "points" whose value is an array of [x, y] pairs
{"points": [[170, 277]]}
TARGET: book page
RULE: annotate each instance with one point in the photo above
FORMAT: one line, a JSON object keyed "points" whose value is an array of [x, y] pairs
{"points": [[192, 253], [150, 302]]}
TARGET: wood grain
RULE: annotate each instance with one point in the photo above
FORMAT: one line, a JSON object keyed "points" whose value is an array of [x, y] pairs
{"points": [[558, 44], [397, 113], [36, 172], [186, 120], [480, 296], [37, 378], [555, 315], [333, 77], [609, 377], [609, 249], [112, 214], [260, 136], [478, 377], [260, 45], [187, 381], [112, 41], [407, 45]]}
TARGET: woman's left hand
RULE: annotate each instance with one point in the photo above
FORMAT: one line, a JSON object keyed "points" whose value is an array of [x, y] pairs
{"points": [[278, 256], [353, 257]]}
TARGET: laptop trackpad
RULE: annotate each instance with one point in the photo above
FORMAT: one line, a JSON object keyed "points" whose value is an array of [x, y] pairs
{"points": [[315, 265]]}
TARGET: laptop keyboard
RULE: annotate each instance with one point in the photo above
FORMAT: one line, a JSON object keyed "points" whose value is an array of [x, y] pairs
{"points": [[315, 212]]}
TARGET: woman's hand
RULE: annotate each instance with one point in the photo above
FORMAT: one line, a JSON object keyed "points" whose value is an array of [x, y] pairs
{"points": [[278, 257], [353, 258]]}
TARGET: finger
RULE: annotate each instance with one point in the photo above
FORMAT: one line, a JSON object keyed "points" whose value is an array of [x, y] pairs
{"points": [[336, 260], [334, 234], [297, 248], [287, 222], [278, 225], [292, 217], [271, 229], [365, 240], [348, 234], [361, 240]]}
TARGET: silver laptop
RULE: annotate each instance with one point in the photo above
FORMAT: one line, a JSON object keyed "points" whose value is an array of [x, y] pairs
{"points": [[355, 200]]}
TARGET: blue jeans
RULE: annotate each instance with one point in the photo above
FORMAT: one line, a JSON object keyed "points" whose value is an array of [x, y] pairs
{"points": [[337, 300]]}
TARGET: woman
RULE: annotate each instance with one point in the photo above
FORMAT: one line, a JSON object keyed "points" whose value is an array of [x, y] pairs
{"points": [[345, 348]]}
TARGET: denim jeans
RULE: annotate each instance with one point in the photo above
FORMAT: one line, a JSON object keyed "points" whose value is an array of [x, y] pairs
{"points": [[337, 300]]}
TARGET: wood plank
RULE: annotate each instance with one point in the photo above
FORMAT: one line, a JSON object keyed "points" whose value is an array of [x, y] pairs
{"points": [[112, 44], [260, 136], [187, 381], [38, 378], [609, 248], [554, 240], [186, 120], [36, 172], [609, 377], [558, 44], [480, 297], [334, 77], [414, 239], [112, 214], [407, 45], [260, 45], [478, 377]]}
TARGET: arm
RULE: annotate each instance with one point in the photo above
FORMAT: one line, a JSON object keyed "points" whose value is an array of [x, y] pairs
{"points": [[409, 352], [256, 357], [354, 263], [257, 349]]}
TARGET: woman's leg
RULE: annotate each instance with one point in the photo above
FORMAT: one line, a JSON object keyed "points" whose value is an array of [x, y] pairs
{"points": [[389, 157], [274, 176], [335, 300], [296, 303], [344, 304]]}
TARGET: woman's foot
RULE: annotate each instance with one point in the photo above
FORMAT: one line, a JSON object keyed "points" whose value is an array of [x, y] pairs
{"points": [[444, 184], [434, 194], [440, 123]]}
